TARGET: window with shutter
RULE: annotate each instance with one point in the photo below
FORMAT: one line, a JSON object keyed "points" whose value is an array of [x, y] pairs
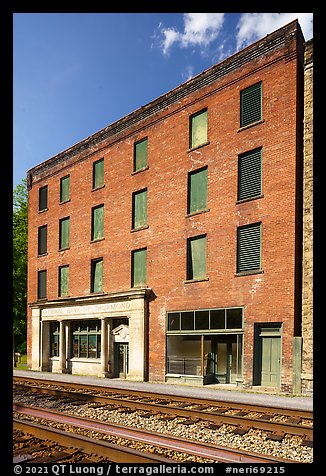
{"points": [[198, 129], [250, 174], [197, 190], [140, 154], [65, 189], [97, 223], [41, 284], [196, 257], [249, 248], [64, 240], [42, 239], [97, 275], [138, 268], [43, 198], [63, 281], [251, 105], [139, 209], [98, 174]]}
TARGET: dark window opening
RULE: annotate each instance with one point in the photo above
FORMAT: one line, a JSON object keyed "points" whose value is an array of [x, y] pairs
{"points": [[42, 239], [43, 198]]}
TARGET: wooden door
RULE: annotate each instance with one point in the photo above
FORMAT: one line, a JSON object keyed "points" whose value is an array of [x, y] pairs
{"points": [[271, 361]]}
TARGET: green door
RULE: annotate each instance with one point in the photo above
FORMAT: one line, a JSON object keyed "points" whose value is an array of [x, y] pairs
{"points": [[271, 361]]}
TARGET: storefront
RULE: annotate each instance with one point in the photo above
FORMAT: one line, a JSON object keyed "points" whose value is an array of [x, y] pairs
{"points": [[104, 336], [205, 346]]}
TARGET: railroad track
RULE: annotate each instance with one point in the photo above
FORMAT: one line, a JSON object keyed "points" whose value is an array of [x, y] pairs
{"points": [[154, 447], [28, 448], [278, 422], [73, 446]]}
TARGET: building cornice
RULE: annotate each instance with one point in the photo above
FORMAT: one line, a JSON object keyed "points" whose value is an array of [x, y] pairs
{"points": [[130, 294]]}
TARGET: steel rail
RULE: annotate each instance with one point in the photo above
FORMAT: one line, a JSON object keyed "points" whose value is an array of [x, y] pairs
{"points": [[217, 417], [204, 450]]}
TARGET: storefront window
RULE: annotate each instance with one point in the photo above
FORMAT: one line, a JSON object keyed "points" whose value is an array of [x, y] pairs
{"points": [[217, 319], [206, 343], [187, 320], [202, 320], [234, 318], [206, 319], [174, 321], [87, 339], [184, 355]]}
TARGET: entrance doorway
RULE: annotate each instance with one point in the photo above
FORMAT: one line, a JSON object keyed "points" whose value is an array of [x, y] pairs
{"points": [[223, 359], [121, 358]]}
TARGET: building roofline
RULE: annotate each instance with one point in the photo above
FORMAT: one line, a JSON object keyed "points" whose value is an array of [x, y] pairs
{"points": [[270, 42]]}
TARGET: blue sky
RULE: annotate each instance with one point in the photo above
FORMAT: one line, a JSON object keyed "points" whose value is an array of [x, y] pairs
{"points": [[75, 73]]}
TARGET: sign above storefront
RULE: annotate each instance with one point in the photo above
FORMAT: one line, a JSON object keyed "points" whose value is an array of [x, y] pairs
{"points": [[87, 309]]}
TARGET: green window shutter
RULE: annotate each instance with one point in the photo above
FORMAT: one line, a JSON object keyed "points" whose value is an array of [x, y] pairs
{"points": [[249, 248], [64, 233], [196, 254], [42, 239], [98, 174], [139, 268], [140, 154], [41, 284], [197, 191], [198, 129], [139, 215], [65, 189], [98, 222], [63, 280], [250, 105], [97, 276], [43, 198], [250, 174]]}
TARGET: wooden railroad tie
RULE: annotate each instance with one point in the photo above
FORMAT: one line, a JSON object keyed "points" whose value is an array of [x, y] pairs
{"points": [[306, 441], [146, 415], [293, 420], [241, 430], [276, 436], [266, 416], [214, 426], [168, 418], [190, 421]]}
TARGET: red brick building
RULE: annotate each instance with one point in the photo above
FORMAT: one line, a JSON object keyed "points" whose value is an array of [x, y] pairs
{"points": [[167, 246]]}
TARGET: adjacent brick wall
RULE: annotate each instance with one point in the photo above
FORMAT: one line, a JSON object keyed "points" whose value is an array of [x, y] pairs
{"points": [[266, 297]]}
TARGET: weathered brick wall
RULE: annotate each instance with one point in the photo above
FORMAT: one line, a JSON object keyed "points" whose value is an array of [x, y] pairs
{"points": [[266, 297], [307, 263]]}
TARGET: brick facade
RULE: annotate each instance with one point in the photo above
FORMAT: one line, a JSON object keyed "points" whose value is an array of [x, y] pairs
{"points": [[270, 296]]}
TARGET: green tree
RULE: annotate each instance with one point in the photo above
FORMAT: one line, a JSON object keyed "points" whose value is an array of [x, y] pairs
{"points": [[20, 208]]}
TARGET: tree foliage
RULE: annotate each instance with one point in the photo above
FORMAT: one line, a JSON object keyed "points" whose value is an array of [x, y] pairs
{"points": [[20, 220]]}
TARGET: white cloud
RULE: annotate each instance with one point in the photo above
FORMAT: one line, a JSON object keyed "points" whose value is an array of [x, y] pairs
{"points": [[189, 73], [200, 29], [253, 26], [170, 37]]}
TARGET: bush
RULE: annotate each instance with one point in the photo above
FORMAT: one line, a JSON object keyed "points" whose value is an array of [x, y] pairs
{"points": [[22, 348]]}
